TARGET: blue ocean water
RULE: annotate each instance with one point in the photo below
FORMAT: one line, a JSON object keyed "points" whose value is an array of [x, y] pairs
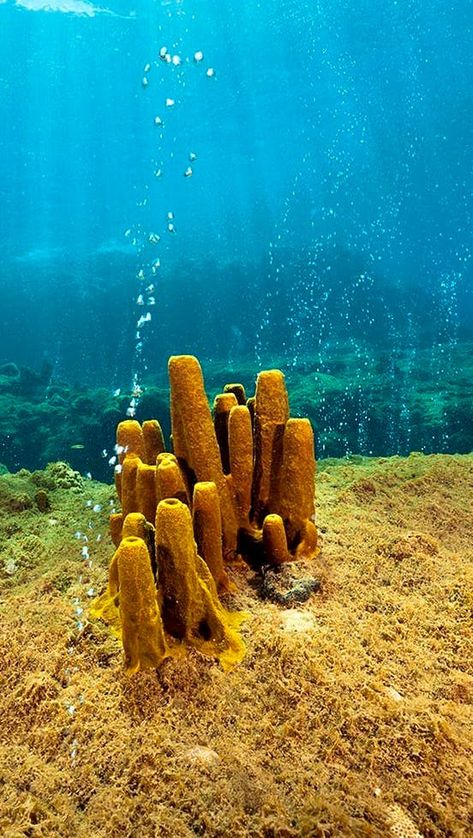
{"points": [[258, 183]]}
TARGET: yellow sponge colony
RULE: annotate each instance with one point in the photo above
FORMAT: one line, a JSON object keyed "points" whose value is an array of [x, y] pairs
{"points": [[239, 483]]}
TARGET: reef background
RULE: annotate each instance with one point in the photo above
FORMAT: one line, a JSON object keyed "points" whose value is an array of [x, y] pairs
{"points": [[396, 408], [326, 228]]}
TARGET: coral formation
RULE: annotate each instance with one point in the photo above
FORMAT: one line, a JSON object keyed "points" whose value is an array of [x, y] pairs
{"points": [[43, 421], [232, 489]]}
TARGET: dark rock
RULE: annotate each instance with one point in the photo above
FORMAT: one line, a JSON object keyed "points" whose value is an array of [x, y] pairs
{"points": [[9, 370], [42, 500]]}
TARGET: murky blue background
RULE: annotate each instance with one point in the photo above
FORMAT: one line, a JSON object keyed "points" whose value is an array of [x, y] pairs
{"points": [[329, 207]]}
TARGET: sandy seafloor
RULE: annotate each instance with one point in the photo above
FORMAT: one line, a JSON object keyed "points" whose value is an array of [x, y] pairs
{"points": [[350, 715]]}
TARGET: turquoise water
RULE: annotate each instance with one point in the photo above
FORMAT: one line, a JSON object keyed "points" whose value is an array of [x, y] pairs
{"points": [[257, 183]]}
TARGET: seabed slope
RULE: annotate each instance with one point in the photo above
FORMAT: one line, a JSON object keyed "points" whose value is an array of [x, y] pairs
{"points": [[350, 715]]}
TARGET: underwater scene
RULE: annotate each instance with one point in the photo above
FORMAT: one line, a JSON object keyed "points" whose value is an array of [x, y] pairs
{"points": [[236, 418]]}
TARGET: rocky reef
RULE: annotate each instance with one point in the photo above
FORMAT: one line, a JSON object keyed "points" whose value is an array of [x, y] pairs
{"points": [[360, 401]]}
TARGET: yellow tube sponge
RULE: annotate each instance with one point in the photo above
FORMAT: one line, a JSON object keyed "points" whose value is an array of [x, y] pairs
{"points": [[153, 440], [146, 490], [271, 415], [296, 503], [142, 630], [130, 439], [191, 609], [116, 524], [250, 403], [106, 605], [207, 524], [307, 547], [128, 484], [240, 441], [238, 390], [170, 482], [274, 540], [194, 437], [135, 525], [222, 406]]}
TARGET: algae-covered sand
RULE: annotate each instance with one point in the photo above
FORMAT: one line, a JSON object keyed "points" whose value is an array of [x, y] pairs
{"points": [[350, 715]]}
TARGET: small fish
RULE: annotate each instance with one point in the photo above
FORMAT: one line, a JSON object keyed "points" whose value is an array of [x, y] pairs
{"points": [[117, 392], [192, 156], [210, 73], [176, 60], [171, 227], [144, 82], [170, 102], [140, 300], [158, 120], [158, 173], [188, 172], [170, 216], [163, 52], [198, 56], [147, 68], [78, 446], [153, 238]]}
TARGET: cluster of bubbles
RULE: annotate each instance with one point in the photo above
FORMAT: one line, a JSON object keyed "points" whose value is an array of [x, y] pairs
{"points": [[347, 192], [445, 346], [88, 541], [147, 241]]}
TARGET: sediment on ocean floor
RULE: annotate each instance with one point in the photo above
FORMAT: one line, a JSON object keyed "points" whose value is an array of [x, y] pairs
{"points": [[351, 711]]}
